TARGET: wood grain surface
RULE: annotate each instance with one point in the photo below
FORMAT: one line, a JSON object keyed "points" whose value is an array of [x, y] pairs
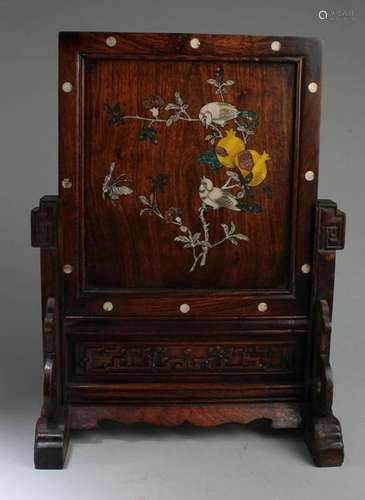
{"points": [[125, 250]]}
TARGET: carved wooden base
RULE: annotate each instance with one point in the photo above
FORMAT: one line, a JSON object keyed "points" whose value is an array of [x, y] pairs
{"points": [[324, 440], [281, 415], [51, 442], [323, 434]]}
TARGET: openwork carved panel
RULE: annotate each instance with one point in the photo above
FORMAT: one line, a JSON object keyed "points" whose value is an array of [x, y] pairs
{"points": [[115, 358]]}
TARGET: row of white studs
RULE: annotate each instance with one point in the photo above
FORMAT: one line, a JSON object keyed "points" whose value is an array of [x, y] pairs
{"points": [[68, 269], [67, 184], [309, 175], [185, 308], [111, 41], [67, 87]]}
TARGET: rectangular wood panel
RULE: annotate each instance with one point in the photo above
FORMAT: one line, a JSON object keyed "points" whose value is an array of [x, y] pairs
{"points": [[124, 248]]}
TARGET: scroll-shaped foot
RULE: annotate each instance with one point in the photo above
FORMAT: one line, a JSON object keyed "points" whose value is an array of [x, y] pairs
{"points": [[51, 442], [324, 440]]}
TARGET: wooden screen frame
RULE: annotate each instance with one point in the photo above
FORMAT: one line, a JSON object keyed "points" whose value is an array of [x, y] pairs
{"points": [[306, 53]]}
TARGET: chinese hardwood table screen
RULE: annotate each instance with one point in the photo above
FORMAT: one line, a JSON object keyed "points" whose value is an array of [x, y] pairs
{"points": [[187, 265]]}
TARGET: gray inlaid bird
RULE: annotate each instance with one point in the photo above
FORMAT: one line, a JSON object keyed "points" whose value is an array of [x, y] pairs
{"points": [[218, 112], [216, 197]]}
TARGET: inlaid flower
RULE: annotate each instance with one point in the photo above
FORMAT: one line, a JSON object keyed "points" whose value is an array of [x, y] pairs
{"points": [[172, 215], [153, 104]]}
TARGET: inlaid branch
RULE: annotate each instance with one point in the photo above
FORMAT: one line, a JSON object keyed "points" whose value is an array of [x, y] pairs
{"points": [[219, 82], [213, 115], [199, 242]]}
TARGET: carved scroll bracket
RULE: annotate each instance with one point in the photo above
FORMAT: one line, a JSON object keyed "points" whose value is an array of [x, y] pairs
{"points": [[330, 236], [49, 374], [323, 389], [323, 430], [331, 224]]}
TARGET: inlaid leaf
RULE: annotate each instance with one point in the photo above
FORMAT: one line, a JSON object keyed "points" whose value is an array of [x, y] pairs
{"points": [[210, 158], [182, 239], [248, 178], [249, 206], [251, 115], [178, 99], [233, 175], [107, 108], [145, 210], [143, 200], [225, 229], [148, 132], [158, 183], [170, 106], [122, 190], [266, 189], [241, 236], [115, 113]]}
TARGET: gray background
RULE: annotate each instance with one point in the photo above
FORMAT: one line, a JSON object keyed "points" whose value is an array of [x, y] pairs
{"points": [[148, 463]]}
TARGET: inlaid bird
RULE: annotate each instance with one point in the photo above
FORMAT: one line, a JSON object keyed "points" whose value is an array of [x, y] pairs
{"points": [[216, 197], [218, 113]]}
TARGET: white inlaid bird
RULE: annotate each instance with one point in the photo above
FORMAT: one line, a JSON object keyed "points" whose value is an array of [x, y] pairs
{"points": [[216, 197], [217, 112]]}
